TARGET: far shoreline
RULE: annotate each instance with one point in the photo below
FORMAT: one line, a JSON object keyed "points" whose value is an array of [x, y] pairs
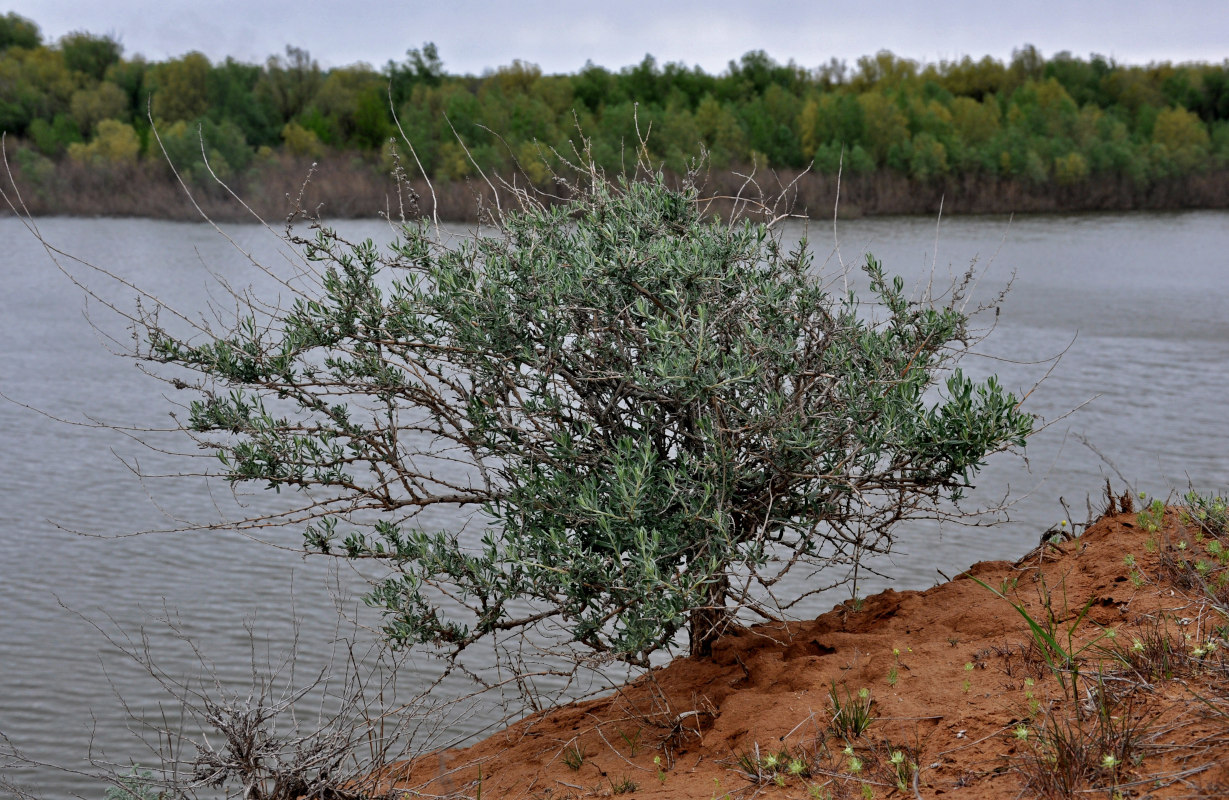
{"points": [[341, 188]]}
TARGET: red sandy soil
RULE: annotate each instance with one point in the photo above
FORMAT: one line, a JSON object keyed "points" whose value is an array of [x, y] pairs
{"points": [[973, 708]]}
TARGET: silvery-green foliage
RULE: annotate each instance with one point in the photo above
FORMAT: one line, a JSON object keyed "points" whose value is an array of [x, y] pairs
{"points": [[135, 785], [647, 410]]}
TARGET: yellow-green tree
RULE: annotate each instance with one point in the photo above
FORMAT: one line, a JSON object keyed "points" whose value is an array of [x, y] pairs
{"points": [[720, 132], [1182, 137], [300, 141], [116, 144], [34, 84], [975, 122], [886, 124], [181, 88], [1070, 168]]}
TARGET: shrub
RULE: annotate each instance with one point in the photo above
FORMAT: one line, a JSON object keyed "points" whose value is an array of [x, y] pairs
{"points": [[633, 401]]}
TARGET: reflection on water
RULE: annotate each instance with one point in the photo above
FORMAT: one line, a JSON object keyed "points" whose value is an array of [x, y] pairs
{"points": [[1135, 303]]}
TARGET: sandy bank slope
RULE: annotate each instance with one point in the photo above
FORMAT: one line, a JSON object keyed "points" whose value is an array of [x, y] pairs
{"points": [[962, 696]]}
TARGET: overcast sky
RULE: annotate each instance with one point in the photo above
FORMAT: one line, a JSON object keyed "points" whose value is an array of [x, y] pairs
{"points": [[474, 35]]}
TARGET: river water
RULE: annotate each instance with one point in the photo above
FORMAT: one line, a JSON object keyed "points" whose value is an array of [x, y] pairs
{"points": [[1136, 304]]}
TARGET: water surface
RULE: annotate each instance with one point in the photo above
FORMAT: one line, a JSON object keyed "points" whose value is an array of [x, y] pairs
{"points": [[1136, 305]]}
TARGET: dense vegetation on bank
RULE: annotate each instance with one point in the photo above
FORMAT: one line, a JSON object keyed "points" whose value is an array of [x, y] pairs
{"points": [[1035, 133]]}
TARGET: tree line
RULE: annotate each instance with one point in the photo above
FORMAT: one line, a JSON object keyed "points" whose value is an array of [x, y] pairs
{"points": [[1062, 126]]}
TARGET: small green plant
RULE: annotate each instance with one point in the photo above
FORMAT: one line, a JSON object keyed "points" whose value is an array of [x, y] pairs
{"points": [[1152, 516], [1209, 513], [750, 764], [632, 740], [624, 785], [1034, 705], [772, 766], [852, 716], [1055, 642], [1067, 756], [894, 670], [661, 772], [902, 770], [574, 756], [1204, 571]]}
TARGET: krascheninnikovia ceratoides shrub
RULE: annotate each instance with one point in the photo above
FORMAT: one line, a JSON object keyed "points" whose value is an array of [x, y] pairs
{"points": [[639, 403]]}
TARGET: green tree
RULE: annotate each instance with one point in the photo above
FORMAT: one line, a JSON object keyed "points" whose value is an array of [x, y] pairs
{"points": [[594, 86], [103, 101], [90, 55], [1081, 79], [187, 146], [831, 119], [832, 157], [290, 84], [771, 124], [677, 138], [643, 83], [354, 101], [1027, 63], [53, 138], [17, 31], [720, 132], [130, 76], [753, 74], [421, 67], [233, 97], [928, 157], [34, 84], [632, 403]]}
